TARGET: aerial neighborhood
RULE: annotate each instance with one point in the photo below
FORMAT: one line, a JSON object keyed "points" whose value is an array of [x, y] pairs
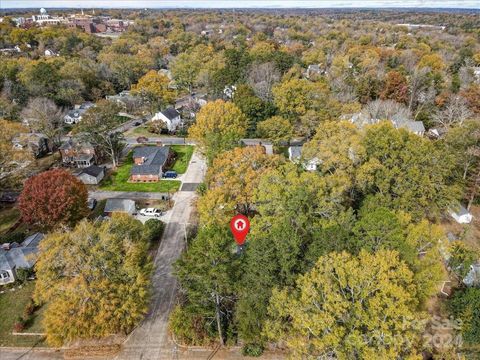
{"points": [[345, 142]]}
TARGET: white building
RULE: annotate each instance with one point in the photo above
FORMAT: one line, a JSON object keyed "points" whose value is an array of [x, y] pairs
{"points": [[295, 156], [75, 116], [170, 116], [460, 214]]}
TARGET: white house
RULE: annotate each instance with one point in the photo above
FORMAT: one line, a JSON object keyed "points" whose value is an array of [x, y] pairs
{"points": [[74, 116], [91, 175], [295, 156], [460, 214], [49, 52], [14, 256], [170, 116]]}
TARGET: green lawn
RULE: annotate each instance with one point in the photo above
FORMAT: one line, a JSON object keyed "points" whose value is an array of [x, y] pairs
{"points": [[184, 154], [12, 304], [118, 181], [8, 217]]}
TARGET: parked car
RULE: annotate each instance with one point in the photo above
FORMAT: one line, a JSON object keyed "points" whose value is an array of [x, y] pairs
{"points": [[91, 203], [170, 174], [137, 123], [142, 139], [151, 212]]}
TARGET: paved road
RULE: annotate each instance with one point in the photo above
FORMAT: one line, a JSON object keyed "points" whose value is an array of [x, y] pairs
{"points": [[100, 195], [150, 340]]}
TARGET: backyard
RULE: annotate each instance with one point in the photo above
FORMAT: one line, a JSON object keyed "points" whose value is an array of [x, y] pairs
{"points": [[8, 217], [12, 305]]}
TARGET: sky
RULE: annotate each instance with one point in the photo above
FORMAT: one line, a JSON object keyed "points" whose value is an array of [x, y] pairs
{"points": [[5, 4]]}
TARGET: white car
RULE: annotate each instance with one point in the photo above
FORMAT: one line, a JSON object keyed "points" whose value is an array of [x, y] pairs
{"points": [[151, 212]]}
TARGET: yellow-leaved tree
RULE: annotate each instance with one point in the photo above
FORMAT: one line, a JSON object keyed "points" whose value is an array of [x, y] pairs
{"points": [[94, 280], [349, 307], [219, 127]]}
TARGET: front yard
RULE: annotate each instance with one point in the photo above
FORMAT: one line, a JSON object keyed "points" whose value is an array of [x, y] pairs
{"points": [[184, 154], [12, 305]]}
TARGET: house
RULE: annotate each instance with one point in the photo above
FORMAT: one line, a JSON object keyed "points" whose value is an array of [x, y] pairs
{"points": [[91, 175], [77, 153], [266, 144], [398, 122], [36, 142], [415, 127], [460, 214], [473, 276], [314, 70], [123, 98], [74, 116], [170, 116], [295, 156], [125, 206], [189, 105], [49, 52], [149, 162], [16, 256]]}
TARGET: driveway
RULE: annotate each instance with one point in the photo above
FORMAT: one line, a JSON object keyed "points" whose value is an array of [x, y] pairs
{"points": [[150, 340], [137, 195]]}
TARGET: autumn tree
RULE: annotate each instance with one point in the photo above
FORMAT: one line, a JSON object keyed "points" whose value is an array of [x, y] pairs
{"points": [[53, 197], [396, 87], [343, 308], [12, 159], [98, 126], [94, 280], [219, 127], [43, 116], [276, 129], [232, 181], [154, 90]]}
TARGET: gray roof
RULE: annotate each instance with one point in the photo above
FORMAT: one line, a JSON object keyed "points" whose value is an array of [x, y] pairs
{"points": [[294, 152], [170, 113], [23, 256], [74, 143], [414, 126], [154, 159], [93, 170], [120, 205], [253, 142]]}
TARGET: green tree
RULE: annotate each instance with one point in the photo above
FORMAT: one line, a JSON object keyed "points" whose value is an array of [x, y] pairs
{"points": [[406, 172], [219, 127], [465, 305], [343, 308], [95, 280], [206, 272], [276, 129]]}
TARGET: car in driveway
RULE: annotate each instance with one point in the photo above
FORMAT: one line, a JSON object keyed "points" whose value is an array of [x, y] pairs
{"points": [[151, 212], [170, 174], [142, 139]]}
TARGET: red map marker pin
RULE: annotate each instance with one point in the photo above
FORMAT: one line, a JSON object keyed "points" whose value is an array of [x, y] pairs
{"points": [[240, 226]]}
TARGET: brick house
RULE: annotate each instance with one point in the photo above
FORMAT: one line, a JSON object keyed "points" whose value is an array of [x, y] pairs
{"points": [[77, 154], [149, 163]]}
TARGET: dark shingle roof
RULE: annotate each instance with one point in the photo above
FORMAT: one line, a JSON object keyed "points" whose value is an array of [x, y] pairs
{"points": [[170, 113], [93, 170], [154, 159]]}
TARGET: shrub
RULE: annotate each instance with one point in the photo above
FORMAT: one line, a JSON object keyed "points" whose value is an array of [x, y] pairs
{"points": [[24, 274], [13, 237], [29, 309], [19, 325], [154, 229], [252, 349]]}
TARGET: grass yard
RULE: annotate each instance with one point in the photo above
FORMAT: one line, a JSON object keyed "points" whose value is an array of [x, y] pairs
{"points": [[184, 154], [8, 217], [12, 304], [118, 181]]}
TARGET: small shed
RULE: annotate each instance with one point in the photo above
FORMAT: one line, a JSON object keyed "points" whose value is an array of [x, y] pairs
{"points": [[125, 206]]}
